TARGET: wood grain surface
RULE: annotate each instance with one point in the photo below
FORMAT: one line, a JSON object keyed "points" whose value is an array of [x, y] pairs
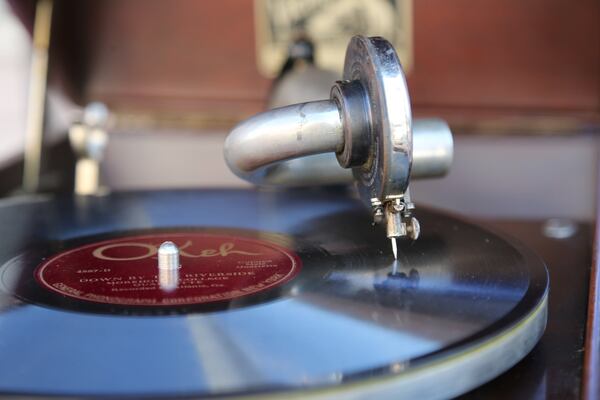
{"points": [[472, 58]]}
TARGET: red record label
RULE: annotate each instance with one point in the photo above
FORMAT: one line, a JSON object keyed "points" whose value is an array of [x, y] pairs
{"points": [[124, 271]]}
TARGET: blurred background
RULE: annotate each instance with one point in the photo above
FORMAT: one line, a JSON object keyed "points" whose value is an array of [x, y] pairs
{"points": [[518, 82]]}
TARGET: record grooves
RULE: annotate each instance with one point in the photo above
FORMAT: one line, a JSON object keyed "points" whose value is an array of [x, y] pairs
{"points": [[301, 296]]}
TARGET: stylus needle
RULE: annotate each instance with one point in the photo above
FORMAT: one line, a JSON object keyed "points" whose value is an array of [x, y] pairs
{"points": [[394, 248]]}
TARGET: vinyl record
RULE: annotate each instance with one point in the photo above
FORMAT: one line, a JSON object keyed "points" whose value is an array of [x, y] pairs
{"points": [[277, 293]]}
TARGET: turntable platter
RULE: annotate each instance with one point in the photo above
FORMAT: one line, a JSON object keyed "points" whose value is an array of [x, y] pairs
{"points": [[278, 292]]}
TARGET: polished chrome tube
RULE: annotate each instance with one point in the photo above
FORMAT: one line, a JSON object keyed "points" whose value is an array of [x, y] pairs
{"points": [[282, 134], [282, 146], [433, 148]]}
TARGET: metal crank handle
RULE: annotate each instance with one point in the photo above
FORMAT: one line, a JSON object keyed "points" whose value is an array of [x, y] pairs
{"points": [[367, 123]]}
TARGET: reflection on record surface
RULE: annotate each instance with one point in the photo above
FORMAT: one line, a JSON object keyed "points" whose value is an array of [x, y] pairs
{"points": [[350, 311]]}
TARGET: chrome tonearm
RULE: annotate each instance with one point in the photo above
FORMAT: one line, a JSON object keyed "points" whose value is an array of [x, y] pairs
{"points": [[367, 123]]}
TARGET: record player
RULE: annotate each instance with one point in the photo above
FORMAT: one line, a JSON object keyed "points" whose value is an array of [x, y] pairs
{"points": [[322, 277]]}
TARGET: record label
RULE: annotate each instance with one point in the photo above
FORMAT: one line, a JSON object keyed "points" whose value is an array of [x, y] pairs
{"points": [[124, 271]]}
